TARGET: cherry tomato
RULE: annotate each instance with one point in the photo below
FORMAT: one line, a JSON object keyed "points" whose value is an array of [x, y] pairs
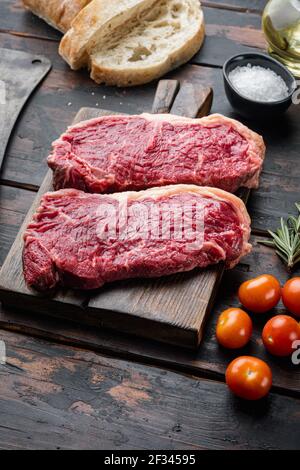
{"points": [[249, 377], [234, 328], [279, 334], [260, 294], [291, 295]]}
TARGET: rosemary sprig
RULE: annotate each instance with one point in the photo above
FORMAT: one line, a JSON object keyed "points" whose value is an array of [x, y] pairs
{"points": [[286, 240]]}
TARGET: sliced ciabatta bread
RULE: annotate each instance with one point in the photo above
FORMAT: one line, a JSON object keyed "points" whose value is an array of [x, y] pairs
{"points": [[131, 42], [95, 25], [125, 42], [58, 13], [149, 45]]}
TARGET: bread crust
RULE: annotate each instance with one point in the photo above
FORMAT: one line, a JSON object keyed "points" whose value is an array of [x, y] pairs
{"points": [[97, 16], [135, 76], [57, 13]]}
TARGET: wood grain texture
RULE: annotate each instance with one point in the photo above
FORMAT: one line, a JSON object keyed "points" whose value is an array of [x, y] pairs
{"points": [[171, 309], [15, 18], [237, 5], [187, 101], [58, 397], [165, 95], [14, 204], [229, 33]]}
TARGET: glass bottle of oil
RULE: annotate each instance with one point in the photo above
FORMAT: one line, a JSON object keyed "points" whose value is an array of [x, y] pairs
{"points": [[281, 25]]}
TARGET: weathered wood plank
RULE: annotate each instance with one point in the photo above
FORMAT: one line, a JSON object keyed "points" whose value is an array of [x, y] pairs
{"points": [[238, 5], [165, 95], [229, 33], [14, 18], [187, 101], [14, 203], [50, 399]]}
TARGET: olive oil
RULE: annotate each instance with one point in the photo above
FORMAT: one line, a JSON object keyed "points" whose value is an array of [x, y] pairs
{"points": [[281, 25]]}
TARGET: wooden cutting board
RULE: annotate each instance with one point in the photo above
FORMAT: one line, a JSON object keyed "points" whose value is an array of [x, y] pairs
{"points": [[172, 309]]}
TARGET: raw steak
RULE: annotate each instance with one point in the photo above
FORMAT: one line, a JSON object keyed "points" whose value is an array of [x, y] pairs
{"points": [[117, 153], [84, 240]]}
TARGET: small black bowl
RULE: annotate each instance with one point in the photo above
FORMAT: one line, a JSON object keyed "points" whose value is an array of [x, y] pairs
{"points": [[257, 109]]}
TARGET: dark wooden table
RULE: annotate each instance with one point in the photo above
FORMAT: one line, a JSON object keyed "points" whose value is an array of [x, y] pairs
{"points": [[62, 387]]}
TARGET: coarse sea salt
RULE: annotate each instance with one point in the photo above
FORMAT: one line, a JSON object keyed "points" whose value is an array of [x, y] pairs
{"points": [[258, 83]]}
